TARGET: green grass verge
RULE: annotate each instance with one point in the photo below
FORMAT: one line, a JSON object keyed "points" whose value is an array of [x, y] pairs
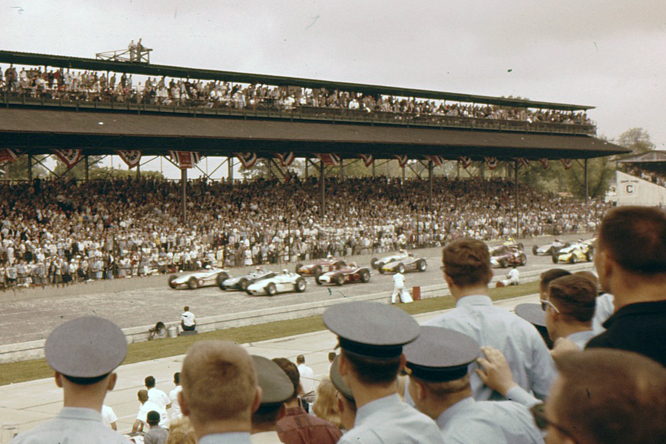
{"points": [[145, 351]]}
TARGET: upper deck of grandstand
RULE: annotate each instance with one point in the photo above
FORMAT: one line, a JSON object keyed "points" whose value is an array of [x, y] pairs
{"points": [[80, 83]]}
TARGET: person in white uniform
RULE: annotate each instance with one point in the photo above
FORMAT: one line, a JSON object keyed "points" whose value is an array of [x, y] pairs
{"points": [[399, 289], [187, 320], [84, 353], [308, 380], [173, 396], [437, 365], [371, 337], [156, 395], [220, 392], [467, 272]]}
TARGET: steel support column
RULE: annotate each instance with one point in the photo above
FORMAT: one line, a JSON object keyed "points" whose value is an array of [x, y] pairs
{"points": [[87, 164], [515, 180], [587, 190], [183, 183], [373, 168], [230, 168], [307, 163], [30, 167], [430, 168], [322, 184]]}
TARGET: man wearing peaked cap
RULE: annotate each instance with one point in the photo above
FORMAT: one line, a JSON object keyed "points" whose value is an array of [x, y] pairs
{"points": [[83, 352], [371, 337], [276, 388], [346, 403], [437, 364]]}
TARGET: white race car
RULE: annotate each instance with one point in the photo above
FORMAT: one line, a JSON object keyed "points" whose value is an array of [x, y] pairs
{"points": [[204, 278], [548, 250], [242, 282], [281, 283]]}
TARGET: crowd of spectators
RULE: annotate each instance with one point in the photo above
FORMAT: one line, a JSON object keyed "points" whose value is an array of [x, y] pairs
{"points": [[654, 177], [91, 86], [59, 232]]}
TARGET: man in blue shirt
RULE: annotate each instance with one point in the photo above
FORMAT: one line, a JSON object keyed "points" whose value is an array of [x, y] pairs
{"points": [[466, 267]]}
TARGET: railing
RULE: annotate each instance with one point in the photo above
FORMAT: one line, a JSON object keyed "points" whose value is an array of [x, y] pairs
{"points": [[126, 55], [225, 107]]}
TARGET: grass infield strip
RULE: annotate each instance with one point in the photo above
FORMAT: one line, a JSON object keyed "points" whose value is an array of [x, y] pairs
{"points": [[163, 348]]}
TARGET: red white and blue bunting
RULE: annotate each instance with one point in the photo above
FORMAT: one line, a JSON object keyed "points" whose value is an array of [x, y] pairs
{"points": [[491, 162], [184, 159], [130, 157], [286, 159], [402, 160], [328, 159], [248, 160], [68, 157], [7, 155], [367, 159], [436, 160]]}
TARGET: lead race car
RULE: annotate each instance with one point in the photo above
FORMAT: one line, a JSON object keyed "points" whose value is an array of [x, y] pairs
{"points": [[578, 252], [350, 274], [204, 278], [242, 282], [399, 263], [280, 283], [548, 250], [507, 255]]}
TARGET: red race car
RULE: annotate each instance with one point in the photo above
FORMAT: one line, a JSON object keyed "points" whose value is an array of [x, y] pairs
{"points": [[345, 275], [318, 268]]}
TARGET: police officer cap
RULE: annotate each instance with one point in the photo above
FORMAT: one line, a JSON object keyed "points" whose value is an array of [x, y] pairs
{"points": [[87, 347], [275, 385], [440, 354], [532, 313], [371, 329], [338, 382]]}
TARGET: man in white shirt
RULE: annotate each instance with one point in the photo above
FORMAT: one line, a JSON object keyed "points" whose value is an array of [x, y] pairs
{"points": [[148, 406], [187, 320], [109, 417], [399, 289], [156, 395], [308, 381], [173, 396]]}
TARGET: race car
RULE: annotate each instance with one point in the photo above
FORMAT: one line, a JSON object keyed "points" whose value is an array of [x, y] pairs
{"points": [[242, 282], [578, 252], [343, 276], [323, 266], [280, 283], [508, 256], [399, 263], [204, 278], [506, 247], [548, 250]]}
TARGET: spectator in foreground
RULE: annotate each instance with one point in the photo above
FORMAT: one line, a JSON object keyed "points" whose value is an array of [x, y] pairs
{"points": [[371, 337], [345, 398], [437, 364], [296, 426], [569, 309], [84, 353], [156, 434], [276, 388], [146, 407], [173, 397], [220, 392], [605, 397], [631, 263], [466, 266], [307, 378], [326, 403]]}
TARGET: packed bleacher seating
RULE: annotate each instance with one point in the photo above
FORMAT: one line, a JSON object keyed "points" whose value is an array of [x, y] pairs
{"points": [[56, 232], [102, 87]]}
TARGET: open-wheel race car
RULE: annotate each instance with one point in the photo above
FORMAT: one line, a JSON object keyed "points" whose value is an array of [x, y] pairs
{"points": [[242, 282], [505, 256], [345, 275], [320, 267], [399, 263], [204, 278], [549, 249], [284, 282], [578, 252]]}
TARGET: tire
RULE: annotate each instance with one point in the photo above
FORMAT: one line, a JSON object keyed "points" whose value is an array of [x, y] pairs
{"points": [[422, 265], [339, 280], [589, 256], [243, 284], [380, 270], [317, 280], [316, 270], [192, 283], [573, 259], [503, 263], [374, 262], [298, 267], [401, 268], [270, 289], [171, 283], [365, 276], [301, 285], [220, 279], [523, 259], [535, 250], [556, 258], [521, 247]]}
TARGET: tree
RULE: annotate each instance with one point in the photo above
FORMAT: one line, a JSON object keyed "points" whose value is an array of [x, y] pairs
{"points": [[636, 139], [18, 170], [600, 174]]}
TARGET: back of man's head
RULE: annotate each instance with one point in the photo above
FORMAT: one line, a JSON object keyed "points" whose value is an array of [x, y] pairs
{"points": [[467, 262], [300, 359], [150, 382], [291, 370], [574, 296], [142, 395], [608, 396], [153, 418], [176, 378], [635, 238], [548, 276], [219, 382]]}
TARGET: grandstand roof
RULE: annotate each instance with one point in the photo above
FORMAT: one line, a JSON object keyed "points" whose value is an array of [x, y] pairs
{"points": [[648, 157], [38, 130], [23, 58]]}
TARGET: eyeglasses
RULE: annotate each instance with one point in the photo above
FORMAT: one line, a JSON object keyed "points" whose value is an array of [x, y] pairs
{"points": [[542, 423], [545, 303]]}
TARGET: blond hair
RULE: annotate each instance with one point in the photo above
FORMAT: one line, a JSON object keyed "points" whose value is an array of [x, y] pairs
{"points": [[325, 405]]}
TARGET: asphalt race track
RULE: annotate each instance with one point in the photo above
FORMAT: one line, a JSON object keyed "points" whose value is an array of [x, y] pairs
{"points": [[30, 318]]}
